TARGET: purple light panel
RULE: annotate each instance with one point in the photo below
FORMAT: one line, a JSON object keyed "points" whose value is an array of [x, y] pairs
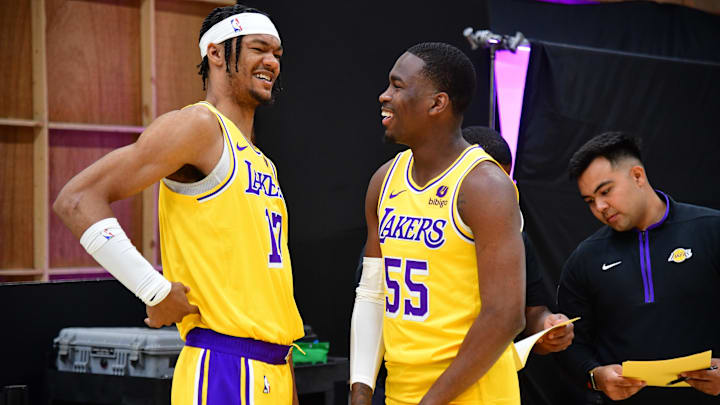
{"points": [[510, 73]]}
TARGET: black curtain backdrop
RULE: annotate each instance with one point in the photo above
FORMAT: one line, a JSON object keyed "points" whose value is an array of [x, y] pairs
{"points": [[640, 67], [573, 94], [639, 27]]}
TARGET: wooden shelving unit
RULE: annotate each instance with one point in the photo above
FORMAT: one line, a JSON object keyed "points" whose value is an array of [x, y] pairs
{"points": [[101, 72]]}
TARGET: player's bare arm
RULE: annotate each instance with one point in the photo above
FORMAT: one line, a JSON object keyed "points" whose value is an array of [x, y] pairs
{"points": [[361, 394], [178, 138], [372, 247], [170, 142], [487, 203]]}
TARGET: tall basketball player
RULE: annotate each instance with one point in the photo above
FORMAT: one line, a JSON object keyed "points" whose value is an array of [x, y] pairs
{"points": [[444, 235], [223, 224]]}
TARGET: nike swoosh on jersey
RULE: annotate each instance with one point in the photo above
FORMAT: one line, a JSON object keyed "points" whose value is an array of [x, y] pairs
{"points": [[396, 194], [239, 148], [607, 267]]}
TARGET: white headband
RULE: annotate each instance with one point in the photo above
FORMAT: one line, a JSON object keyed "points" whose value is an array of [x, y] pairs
{"points": [[235, 26]]}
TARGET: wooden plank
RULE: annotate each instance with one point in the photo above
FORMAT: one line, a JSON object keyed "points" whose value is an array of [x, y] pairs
{"points": [[78, 270], [149, 97], [71, 152], [21, 272], [40, 139], [178, 26], [16, 197], [16, 48], [18, 122], [147, 61], [77, 126], [94, 50]]}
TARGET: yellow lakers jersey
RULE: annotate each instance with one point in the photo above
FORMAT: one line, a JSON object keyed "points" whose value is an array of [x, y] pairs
{"points": [[229, 245], [431, 279]]}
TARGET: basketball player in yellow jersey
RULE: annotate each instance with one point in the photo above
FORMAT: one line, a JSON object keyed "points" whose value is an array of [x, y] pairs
{"points": [[444, 228], [223, 224]]}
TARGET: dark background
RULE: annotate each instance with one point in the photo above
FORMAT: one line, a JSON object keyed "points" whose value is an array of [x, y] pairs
{"points": [[642, 67]]}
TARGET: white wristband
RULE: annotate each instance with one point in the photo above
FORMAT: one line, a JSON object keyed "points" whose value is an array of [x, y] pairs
{"points": [[107, 243], [366, 338]]}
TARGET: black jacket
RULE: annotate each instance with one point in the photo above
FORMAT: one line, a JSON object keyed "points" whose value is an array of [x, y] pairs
{"points": [[646, 295]]}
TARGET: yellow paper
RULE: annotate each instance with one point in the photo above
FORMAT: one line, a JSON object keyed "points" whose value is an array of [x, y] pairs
{"points": [[521, 349], [658, 373]]}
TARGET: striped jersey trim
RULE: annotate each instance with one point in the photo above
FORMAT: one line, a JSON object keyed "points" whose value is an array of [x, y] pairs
{"points": [[233, 171]]}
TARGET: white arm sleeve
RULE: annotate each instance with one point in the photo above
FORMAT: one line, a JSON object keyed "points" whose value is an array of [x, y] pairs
{"points": [[366, 340], [107, 243]]}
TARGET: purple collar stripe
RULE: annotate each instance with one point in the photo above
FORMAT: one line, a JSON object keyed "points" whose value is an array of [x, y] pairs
{"points": [[667, 211], [266, 352], [408, 170], [232, 173], [645, 262]]}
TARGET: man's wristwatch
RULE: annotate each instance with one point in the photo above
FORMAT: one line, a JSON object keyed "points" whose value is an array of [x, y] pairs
{"points": [[591, 380]]}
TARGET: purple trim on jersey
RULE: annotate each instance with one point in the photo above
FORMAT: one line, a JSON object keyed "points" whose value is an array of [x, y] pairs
{"points": [[452, 202], [272, 166], [247, 381], [202, 377], [457, 162], [388, 177], [232, 173], [645, 263], [266, 352]]}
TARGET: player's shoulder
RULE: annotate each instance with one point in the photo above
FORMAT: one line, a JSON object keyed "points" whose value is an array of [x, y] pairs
{"points": [[381, 172], [197, 118], [487, 178], [376, 181], [191, 118]]}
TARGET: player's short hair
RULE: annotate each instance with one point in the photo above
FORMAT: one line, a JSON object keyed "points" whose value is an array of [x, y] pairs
{"points": [[491, 141], [613, 146], [450, 70]]}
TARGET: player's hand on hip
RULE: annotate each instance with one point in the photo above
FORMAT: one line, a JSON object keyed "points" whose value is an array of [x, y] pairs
{"points": [[558, 339], [707, 381], [172, 309], [609, 379], [360, 394]]}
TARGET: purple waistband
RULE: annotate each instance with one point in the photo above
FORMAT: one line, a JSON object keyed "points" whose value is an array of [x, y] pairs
{"points": [[270, 353]]}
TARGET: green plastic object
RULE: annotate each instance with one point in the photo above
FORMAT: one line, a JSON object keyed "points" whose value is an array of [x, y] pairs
{"points": [[315, 352]]}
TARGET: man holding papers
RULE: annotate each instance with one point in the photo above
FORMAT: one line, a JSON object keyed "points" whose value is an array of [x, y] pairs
{"points": [[645, 285]]}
